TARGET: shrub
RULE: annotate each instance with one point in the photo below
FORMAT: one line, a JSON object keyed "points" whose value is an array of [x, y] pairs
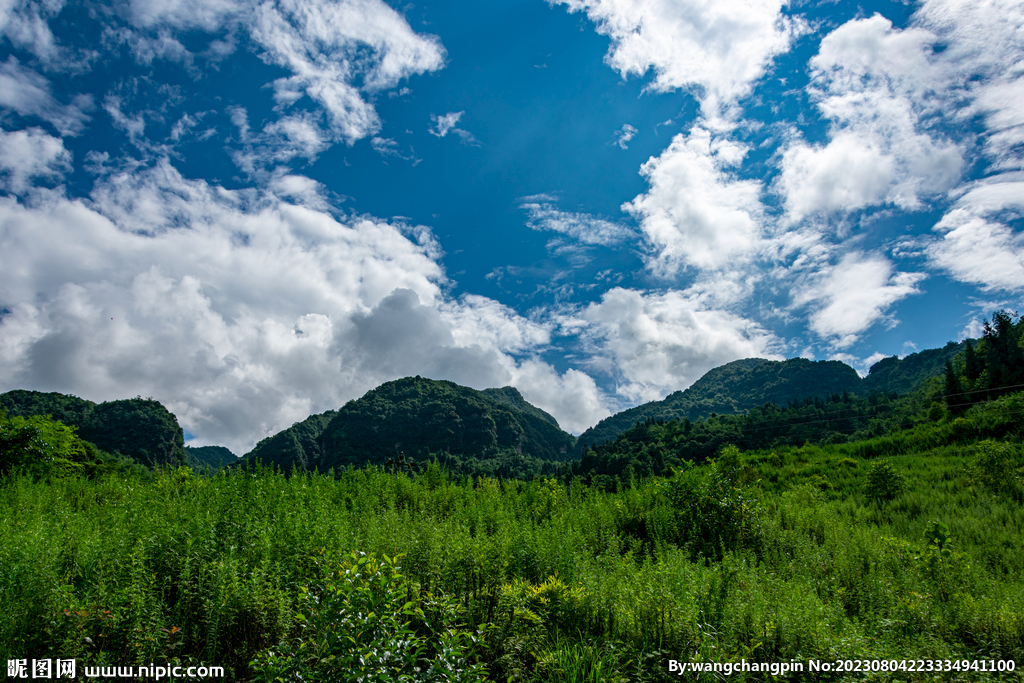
{"points": [[367, 622], [884, 482], [999, 468]]}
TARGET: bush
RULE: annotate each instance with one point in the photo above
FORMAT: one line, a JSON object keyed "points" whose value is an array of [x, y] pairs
{"points": [[367, 622], [999, 468], [884, 482], [39, 446]]}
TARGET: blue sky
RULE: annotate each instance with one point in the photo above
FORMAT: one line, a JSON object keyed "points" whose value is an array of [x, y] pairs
{"points": [[253, 211]]}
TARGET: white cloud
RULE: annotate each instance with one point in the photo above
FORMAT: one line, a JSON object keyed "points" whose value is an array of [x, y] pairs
{"points": [[573, 397], [443, 124], [976, 244], [720, 47], [695, 213], [581, 227], [26, 25], [337, 53], [851, 296], [243, 312], [28, 155], [653, 344], [984, 57], [982, 252], [28, 93], [624, 135], [446, 124], [874, 83], [208, 15], [319, 42]]}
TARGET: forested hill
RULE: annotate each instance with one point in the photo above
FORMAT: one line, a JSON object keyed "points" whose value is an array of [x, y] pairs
{"points": [[419, 417], [743, 384], [906, 374], [210, 456], [511, 398], [139, 428], [294, 448], [734, 388]]}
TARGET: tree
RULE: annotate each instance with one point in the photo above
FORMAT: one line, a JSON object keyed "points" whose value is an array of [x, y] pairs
{"points": [[955, 398], [973, 363], [1004, 357], [40, 446]]}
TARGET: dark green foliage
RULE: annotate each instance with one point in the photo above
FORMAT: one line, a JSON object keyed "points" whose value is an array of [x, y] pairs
{"points": [[69, 410], [713, 514], [735, 388], [1000, 468], [655, 446], [992, 368], [1004, 356], [511, 398], [422, 417], [884, 481], [904, 375], [295, 447], [138, 428], [213, 457]]}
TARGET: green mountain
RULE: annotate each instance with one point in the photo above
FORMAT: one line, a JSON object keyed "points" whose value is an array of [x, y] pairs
{"points": [[511, 398], [214, 457], [295, 447], [419, 417], [732, 388], [142, 429], [903, 375]]}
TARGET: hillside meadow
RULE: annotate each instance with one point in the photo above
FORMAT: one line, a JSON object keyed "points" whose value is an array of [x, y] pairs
{"points": [[903, 547]]}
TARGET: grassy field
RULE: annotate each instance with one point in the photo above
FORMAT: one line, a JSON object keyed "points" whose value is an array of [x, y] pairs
{"points": [[907, 549]]}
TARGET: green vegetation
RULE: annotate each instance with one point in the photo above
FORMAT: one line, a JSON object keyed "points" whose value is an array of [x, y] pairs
{"points": [[831, 527], [734, 388], [769, 555]]}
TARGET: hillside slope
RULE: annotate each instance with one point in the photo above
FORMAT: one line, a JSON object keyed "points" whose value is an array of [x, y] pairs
{"points": [[295, 447], [735, 388], [209, 456]]}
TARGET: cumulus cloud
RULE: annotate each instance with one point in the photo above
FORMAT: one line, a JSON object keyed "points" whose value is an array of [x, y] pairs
{"points": [[653, 344], [30, 156], [717, 47], [982, 252], [874, 83], [976, 244], [26, 25], [443, 124], [851, 296], [695, 212], [241, 311]]}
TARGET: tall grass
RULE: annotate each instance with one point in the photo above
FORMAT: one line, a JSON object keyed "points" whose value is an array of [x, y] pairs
{"points": [[556, 582]]}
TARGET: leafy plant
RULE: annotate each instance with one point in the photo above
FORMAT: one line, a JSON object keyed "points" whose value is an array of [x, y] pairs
{"points": [[367, 621], [884, 482]]}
